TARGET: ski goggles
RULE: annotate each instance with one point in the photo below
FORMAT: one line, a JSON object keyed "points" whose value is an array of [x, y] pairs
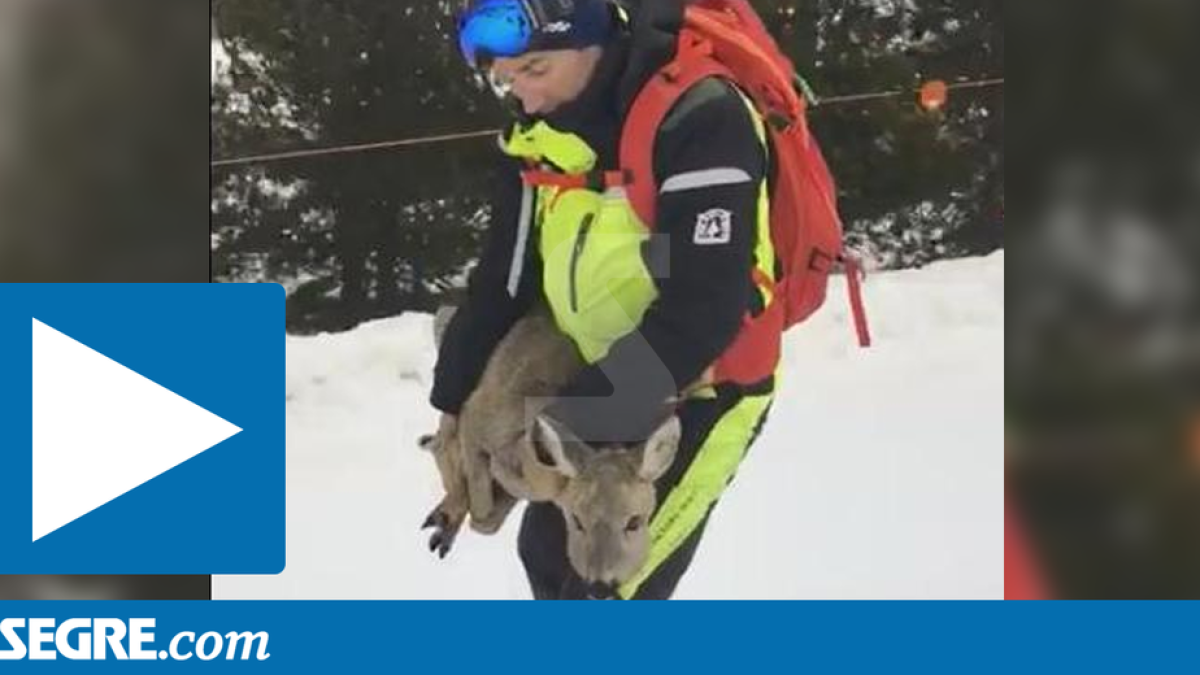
{"points": [[499, 28], [495, 28]]}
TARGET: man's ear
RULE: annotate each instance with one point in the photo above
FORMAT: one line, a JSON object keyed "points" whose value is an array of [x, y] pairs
{"points": [[548, 447], [659, 451]]}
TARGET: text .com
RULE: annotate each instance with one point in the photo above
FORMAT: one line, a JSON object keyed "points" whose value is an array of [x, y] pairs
{"points": [[118, 639]]}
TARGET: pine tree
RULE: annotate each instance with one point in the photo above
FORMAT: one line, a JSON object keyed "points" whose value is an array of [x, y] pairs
{"points": [[388, 230]]}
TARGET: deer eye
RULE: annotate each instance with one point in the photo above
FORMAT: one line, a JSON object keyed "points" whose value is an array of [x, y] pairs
{"points": [[634, 524], [578, 523]]}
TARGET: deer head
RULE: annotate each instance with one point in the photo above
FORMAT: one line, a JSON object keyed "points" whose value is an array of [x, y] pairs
{"points": [[608, 497]]}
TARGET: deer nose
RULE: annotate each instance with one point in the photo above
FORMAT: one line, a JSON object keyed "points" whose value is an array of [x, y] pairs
{"points": [[602, 590]]}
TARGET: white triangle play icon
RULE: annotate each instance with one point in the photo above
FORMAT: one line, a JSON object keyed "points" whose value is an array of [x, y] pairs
{"points": [[100, 429]]}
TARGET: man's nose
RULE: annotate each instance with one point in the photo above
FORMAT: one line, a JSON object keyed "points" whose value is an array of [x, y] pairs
{"points": [[530, 101]]}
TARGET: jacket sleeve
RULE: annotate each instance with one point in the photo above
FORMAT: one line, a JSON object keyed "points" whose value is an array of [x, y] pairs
{"points": [[500, 290], [709, 165]]}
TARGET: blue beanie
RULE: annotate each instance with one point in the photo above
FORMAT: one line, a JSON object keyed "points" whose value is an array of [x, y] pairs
{"points": [[590, 23]]}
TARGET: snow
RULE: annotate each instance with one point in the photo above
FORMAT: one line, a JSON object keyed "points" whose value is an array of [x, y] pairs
{"points": [[878, 475]]}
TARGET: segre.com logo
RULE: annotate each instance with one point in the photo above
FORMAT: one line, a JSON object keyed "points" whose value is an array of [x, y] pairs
{"points": [[102, 639]]}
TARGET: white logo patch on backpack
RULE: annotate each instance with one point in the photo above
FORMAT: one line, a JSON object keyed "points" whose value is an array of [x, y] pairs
{"points": [[714, 226]]}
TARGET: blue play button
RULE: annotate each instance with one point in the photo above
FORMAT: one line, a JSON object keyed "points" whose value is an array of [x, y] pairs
{"points": [[144, 429]]}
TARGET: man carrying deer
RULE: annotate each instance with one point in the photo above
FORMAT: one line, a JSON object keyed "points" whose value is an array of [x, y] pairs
{"points": [[635, 205]]}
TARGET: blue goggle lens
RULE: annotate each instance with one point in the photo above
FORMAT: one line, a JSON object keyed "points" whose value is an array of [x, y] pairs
{"points": [[494, 28]]}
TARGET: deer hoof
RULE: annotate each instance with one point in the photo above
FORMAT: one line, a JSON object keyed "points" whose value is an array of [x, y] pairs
{"points": [[444, 532], [440, 543]]}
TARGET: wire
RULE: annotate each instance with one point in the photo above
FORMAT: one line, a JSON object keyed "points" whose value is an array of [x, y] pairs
{"points": [[855, 98], [313, 152], [442, 138]]}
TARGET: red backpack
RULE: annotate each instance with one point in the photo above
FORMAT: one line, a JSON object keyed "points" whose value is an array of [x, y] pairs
{"points": [[727, 39]]}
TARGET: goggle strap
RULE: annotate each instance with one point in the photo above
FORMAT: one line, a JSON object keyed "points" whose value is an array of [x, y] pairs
{"points": [[536, 13]]}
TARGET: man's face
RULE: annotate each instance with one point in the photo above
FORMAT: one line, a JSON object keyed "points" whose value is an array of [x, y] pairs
{"points": [[543, 81]]}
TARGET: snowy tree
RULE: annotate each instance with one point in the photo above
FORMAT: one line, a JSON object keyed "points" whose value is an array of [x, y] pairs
{"points": [[382, 231]]}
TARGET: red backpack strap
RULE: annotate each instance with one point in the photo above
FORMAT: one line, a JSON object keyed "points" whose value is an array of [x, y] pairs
{"points": [[647, 112], [853, 269], [596, 181], [718, 38]]}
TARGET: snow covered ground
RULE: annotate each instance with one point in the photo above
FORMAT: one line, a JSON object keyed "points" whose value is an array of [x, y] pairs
{"points": [[878, 475]]}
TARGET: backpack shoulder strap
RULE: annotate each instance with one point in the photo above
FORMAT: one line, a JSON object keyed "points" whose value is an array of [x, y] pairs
{"points": [[646, 115]]}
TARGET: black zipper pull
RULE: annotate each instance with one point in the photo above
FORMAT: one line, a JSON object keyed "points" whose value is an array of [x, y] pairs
{"points": [[580, 242]]}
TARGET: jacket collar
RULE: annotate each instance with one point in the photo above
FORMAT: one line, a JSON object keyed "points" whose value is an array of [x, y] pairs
{"points": [[595, 115]]}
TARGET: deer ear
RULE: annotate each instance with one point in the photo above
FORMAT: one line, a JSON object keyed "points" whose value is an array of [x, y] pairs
{"points": [[660, 448], [548, 447]]}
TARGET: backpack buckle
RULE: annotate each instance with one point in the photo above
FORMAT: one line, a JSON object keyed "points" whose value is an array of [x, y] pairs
{"points": [[820, 261]]}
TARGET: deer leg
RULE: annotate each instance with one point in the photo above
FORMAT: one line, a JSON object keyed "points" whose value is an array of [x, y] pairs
{"points": [[447, 517], [482, 500], [502, 505]]}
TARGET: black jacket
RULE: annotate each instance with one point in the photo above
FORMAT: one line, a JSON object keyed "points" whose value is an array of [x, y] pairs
{"points": [[705, 287]]}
